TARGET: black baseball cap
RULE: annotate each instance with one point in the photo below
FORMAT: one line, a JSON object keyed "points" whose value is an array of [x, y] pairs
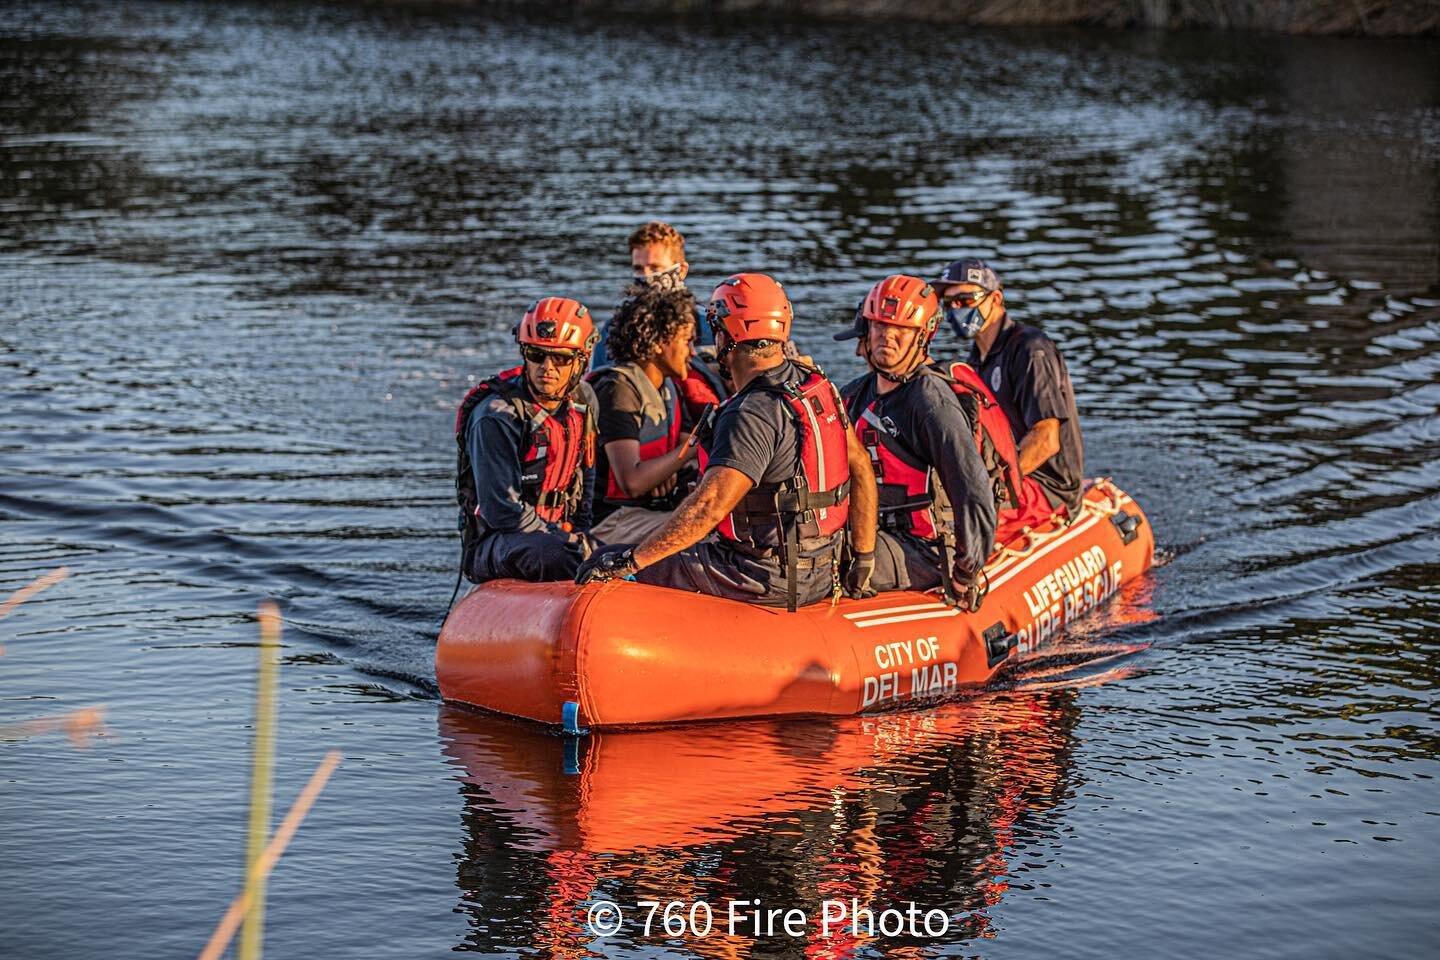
{"points": [[858, 327], [969, 270]]}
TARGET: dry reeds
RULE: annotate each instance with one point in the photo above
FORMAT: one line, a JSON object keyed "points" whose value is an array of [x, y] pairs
{"points": [[261, 853]]}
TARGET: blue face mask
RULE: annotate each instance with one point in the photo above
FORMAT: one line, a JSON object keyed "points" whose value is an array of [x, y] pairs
{"points": [[965, 321]]}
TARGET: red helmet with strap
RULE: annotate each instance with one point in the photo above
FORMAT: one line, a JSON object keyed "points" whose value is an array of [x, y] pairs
{"points": [[558, 323], [750, 306], [903, 301]]}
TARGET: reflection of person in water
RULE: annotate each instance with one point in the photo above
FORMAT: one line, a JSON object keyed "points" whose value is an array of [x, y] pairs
{"points": [[886, 810]]}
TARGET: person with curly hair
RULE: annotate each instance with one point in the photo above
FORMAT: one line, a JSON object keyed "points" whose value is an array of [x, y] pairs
{"points": [[640, 458]]}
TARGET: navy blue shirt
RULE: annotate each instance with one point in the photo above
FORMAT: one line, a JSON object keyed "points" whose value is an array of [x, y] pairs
{"points": [[1025, 372], [930, 424], [492, 438]]}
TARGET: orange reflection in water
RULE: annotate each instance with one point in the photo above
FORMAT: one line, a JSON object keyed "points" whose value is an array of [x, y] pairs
{"points": [[922, 807]]}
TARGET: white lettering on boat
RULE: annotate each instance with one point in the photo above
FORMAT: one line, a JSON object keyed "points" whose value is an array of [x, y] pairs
{"points": [[928, 676], [1067, 593]]}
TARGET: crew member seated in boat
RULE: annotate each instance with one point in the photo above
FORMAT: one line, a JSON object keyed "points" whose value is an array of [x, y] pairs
{"points": [[640, 460], [1023, 368], [782, 474], [936, 505], [526, 457]]}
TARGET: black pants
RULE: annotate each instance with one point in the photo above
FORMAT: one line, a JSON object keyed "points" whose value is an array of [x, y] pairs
{"points": [[904, 562], [525, 556], [721, 569]]}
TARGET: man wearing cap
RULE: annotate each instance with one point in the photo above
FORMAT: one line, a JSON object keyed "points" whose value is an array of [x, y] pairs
{"points": [[1023, 368], [937, 512], [782, 475]]}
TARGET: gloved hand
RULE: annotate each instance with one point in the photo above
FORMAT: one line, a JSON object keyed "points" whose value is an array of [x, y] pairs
{"points": [[580, 544], [602, 567], [970, 587], [857, 576]]}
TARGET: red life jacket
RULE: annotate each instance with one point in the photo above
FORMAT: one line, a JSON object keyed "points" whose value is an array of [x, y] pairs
{"points": [[911, 497], [656, 437], [700, 390], [558, 446], [813, 506], [819, 498], [993, 437]]}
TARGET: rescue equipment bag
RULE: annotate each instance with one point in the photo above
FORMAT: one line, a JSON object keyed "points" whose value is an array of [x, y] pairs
{"points": [[557, 447], [811, 507]]}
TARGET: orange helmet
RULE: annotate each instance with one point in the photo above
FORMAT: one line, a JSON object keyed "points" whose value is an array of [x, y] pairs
{"points": [[558, 323], [903, 301], [750, 306]]}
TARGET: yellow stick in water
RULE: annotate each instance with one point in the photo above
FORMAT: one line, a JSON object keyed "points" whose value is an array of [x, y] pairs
{"points": [[28, 591], [225, 929], [252, 937]]}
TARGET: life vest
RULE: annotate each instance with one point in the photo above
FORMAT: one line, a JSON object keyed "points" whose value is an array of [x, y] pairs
{"points": [[558, 446], [660, 432], [911, 498], [807, 510], [993, 437], [700, 390]]}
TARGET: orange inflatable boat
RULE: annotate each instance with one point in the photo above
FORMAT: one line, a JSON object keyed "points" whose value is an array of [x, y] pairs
{"points": [[627, 654]]}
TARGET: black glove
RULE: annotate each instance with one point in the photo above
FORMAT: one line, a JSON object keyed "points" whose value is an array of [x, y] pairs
{"points": [[857, 576], [970, 587], [602, 567], [581, 545]]}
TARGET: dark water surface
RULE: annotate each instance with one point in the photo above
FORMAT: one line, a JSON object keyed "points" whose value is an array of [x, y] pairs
{"points": [[250, 257]]}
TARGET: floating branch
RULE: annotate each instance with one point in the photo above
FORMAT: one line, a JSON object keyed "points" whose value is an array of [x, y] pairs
{"points": [[26, 592], [240, 906]]}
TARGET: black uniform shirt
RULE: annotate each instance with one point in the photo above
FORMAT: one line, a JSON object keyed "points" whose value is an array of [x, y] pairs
{"points": [[1025, 372], [930, 423]]}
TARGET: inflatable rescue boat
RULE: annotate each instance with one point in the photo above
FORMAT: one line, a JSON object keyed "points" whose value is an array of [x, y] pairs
{"points": [[624, 654]]}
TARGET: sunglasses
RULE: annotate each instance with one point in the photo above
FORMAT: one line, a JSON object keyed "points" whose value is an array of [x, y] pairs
{"points": [[968, 298], [538, 356]]}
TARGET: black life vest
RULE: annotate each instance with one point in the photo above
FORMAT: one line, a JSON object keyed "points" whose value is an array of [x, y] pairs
{"points": [[558, 446], [807, 510]]}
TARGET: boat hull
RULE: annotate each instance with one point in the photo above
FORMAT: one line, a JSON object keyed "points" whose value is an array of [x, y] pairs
{"points": [[627, 654]]}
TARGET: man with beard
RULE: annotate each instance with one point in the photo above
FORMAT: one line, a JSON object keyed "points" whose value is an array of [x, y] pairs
{"points": [[526, 440], [782, 475]]}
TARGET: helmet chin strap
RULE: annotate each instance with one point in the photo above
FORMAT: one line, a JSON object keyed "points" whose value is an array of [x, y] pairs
{"points": [[919, 351], [720, 357]]}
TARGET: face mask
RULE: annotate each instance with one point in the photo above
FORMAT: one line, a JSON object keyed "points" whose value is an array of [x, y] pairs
{"points": [[965, 321], [664, 281]]}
